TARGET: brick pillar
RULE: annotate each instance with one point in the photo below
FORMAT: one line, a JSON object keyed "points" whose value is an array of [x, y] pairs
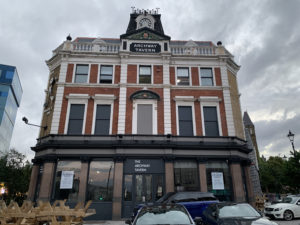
{"points": [[237, 182], [83, 181], [47, 181], [169, 176], [249, 185], [117, 192], [202, 177], [33, 182]]}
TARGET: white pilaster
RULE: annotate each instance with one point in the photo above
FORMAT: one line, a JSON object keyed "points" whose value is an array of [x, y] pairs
{"points": [[167, 111], [227, 102], [63, 72], [122, 99], [57, 110]]}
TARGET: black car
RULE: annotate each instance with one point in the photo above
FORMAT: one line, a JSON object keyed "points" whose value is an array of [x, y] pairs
{"points": [[233, 214], [194, 201], [163, 214]]}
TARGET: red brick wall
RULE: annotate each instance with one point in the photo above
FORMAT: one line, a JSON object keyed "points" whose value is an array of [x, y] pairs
{"points": [[117, 74], [195, 76], [197, 94], [131, 74], [90, 108], [129, 110], [172, 75], [158, 74], [69, 73], [218, 76], [94, 73]]}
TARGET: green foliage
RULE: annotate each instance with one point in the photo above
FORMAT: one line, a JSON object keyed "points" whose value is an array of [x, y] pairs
{"points": [[15, 173], [280, 176]]}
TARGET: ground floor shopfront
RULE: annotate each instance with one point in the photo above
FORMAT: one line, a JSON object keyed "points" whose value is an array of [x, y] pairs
{"points": [[118, 174]]}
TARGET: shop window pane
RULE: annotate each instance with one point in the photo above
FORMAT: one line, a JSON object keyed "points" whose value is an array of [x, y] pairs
{"points": [[222, 167], [100, 182], [186, 176], [148, 179], [159, 187], [127, 188], [67, 187]]}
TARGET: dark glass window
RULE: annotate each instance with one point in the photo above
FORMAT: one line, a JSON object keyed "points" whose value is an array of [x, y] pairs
{"points": [[61, 191], [106, 74], [206, 77], [144, 119], [211, 121], [186, 175], [81, 73], [102, 123], [76, 119], [185, 121], [183, 77], [145, 75], [101, 180], [127, 188], [219, 167]]}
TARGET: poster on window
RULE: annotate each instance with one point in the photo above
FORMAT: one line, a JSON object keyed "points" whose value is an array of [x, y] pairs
{"points": [[66, 181], [217, 181]]}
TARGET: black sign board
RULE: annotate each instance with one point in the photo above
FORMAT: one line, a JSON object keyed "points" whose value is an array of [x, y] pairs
{"points": [[145, 47], [144, 166]]}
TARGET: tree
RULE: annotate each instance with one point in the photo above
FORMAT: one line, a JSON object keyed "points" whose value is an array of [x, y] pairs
{"points": [[15, 173], [292, 172]]}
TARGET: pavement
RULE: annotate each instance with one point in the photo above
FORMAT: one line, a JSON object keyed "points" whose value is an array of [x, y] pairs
{"points": [[107, 222]]}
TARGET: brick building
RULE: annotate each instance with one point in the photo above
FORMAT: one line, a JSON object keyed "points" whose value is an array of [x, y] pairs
{"points": [[127, 120]]}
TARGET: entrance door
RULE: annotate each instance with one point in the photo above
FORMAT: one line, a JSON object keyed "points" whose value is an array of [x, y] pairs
{"points": [[141, 189]]}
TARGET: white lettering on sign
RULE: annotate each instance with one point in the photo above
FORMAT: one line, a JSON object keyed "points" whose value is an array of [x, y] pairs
{"points": [[140, 167]]}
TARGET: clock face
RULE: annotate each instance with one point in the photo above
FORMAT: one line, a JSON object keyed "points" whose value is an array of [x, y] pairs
{"points": [[145, 22]]}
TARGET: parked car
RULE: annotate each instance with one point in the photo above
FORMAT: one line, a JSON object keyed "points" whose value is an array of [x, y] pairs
{"points": [[288, 209], [233, 213], [194, 202], [163, 214]]}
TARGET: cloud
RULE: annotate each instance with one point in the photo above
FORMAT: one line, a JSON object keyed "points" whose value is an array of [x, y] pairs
{"points": [[263, 36]]}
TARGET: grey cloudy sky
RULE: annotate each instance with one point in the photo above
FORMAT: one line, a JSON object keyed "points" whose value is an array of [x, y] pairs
{"points": [[263, 35]]}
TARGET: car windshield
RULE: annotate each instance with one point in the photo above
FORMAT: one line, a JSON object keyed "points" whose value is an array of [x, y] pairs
{"points": [[238, 210], [163, 215], [289, 200]]}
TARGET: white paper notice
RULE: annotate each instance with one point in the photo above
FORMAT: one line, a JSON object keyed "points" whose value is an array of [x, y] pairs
{"points": [[217, 181], [66, 181]]}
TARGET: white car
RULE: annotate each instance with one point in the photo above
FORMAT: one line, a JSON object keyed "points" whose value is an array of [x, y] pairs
{"points": [[288, 209]]}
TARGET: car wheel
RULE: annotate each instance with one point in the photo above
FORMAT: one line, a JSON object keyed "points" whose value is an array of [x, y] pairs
{"points": [[288, 215]]}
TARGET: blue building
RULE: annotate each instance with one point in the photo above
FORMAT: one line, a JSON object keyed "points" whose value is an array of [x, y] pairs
{"points": [[10, 99]]}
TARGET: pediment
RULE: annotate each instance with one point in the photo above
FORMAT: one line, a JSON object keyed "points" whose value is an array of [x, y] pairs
{"points": [[145, 34]]}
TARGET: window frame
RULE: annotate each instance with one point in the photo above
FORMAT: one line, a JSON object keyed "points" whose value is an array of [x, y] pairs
{"points": [[74, 72], [213, 76], [75, 99], [176, 74], [181, 103], [99, 71], [136, 102], [103, 102], [211, 104], [138, 73]]}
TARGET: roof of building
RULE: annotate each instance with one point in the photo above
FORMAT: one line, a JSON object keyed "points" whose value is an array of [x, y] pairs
{"points": [[117, 41], [246, 119]]}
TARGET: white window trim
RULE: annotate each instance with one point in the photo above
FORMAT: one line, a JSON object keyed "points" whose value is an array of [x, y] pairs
{"points": [[154, 114], [103, 100], [138, 73], [190, 76], [99, 70], [186, 103], [76, 99], [214, 102], [213, 74], [74, 72]]}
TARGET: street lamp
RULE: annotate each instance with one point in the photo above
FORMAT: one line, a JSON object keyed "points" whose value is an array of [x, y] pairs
{"points": [[30, 124], [291, 138]]}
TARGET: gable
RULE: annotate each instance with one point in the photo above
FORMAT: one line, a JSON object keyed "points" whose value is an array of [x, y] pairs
{"points": [[145, 34]]}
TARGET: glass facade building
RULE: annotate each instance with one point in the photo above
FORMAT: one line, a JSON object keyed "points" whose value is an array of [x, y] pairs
{"points": [[10, 99]]}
